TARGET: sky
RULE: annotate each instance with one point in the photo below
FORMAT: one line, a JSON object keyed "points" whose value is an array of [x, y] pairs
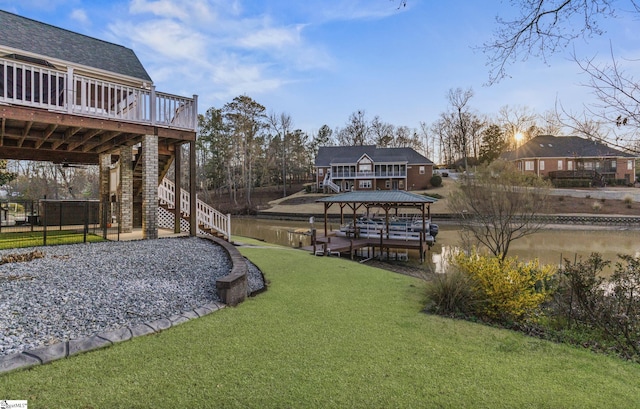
{"points": [[319, 61]]}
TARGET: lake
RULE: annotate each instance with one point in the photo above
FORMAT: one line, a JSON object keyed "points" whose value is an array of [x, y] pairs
{"points": [[549, 246]]}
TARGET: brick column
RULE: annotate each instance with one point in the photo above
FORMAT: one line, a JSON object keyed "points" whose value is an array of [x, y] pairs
{"points": [[105, 176], [150, 187], [126, 189]]}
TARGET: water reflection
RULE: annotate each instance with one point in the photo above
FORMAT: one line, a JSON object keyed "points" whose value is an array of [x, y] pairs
{"points": [[549, 246]]}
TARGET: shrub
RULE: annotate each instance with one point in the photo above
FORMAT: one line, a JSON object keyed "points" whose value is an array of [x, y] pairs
{"points": [[611, 306], [450, 294], [436, 181], [628, 199], [596, 206], [508, 290]]}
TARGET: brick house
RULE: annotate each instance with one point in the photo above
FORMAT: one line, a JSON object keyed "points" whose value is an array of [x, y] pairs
{"points": [[547, 155], [348, 168]]}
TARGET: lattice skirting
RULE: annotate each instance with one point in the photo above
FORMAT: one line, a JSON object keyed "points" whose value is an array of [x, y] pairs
{"points": [[166, 220]]}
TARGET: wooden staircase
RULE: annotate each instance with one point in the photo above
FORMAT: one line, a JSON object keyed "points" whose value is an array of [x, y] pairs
{"points": [[209, 220]]}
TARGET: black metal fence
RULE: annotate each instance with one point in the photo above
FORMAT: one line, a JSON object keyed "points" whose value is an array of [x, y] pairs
{"points": [[47, 222]]}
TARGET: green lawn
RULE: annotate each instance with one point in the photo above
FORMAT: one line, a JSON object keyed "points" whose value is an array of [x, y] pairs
{"points": [[330, 333], [13, 240]]}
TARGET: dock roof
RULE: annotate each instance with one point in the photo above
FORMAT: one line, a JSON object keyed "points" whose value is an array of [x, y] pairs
{"points": [[398, 197]]}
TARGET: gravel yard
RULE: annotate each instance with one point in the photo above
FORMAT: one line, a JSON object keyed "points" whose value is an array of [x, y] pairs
{"points": [[78, 290]]}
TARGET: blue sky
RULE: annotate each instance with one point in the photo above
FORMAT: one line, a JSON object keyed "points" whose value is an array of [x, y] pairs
{"points": [[319, 61]]}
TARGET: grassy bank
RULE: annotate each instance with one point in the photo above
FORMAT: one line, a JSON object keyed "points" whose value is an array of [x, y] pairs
{"points": [[329, 333]]}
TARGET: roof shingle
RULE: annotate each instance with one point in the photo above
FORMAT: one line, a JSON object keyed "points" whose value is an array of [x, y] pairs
{"points": [[53, 42], [350, 154]]}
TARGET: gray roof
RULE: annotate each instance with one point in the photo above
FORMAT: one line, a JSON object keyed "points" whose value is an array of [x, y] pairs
{"points": [[350, 154], [378, 196], [547, 146], [53, 42]]}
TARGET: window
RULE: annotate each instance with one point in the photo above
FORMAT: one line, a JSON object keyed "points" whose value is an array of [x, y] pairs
{"points": [[560, 165], [569, 165], [528, 165], [387, 184], [629, 164], [365, 167], [402, 184], [588, 166], [541, 165], [614, 164], [422, 170], [365, 184], [320, 171]]}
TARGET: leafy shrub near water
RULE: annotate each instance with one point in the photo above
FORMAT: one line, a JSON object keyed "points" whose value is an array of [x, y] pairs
{"points": [[578, 305], [509, 290], [484, 286], [607, 308]]}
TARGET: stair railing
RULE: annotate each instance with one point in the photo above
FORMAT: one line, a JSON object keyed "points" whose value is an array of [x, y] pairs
{"points": [[206, 216]]}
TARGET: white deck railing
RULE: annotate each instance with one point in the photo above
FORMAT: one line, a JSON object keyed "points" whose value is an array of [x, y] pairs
{"points": [[205, 215], [38, 86]]}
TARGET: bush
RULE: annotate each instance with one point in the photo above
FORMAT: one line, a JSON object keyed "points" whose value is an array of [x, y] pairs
{"points": [[450, 294], [436, 181], [508, 290], [569, 183], [628, 199], [596, 206], [610, 306]]}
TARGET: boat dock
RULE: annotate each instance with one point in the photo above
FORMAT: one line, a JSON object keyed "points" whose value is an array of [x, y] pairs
{"points": [[333, 245]]}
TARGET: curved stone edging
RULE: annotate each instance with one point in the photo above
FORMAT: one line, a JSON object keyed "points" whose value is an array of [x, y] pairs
{"points": [[232, 288], [60, 350]]}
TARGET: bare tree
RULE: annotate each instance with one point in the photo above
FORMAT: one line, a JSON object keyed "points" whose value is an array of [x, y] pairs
{"points": [[516, 119], [542, 28], [382, 132], [551, 123], [281, 125], [356, 132], [498, 204], [459, 104], [545, 27]]}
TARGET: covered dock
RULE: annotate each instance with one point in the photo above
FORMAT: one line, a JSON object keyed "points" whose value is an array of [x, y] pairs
{"points": [[389, 201]]}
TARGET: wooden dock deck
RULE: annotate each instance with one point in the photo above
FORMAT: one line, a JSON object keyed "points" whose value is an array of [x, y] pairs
{"points": [[347, 246]]}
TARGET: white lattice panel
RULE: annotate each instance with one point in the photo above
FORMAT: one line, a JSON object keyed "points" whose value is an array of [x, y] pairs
{"points": [[166, 220]]}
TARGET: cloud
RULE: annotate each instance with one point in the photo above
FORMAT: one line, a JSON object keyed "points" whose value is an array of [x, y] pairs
{"points": [[80, 16], [180, 10]]}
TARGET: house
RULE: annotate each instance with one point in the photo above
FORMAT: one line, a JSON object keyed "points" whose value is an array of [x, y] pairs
{"points": [[347, 168], [72, 99], [573, 156]]}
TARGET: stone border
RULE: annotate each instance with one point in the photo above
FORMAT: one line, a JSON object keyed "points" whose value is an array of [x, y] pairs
{"points": [[60, 350], [233, 283], [233, 287]]}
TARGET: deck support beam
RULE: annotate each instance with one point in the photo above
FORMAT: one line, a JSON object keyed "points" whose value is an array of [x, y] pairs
{"points": [[150, 187], [126, 189]]}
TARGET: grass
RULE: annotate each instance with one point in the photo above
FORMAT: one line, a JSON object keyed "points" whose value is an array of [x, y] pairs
{"points": [[11, 240], [330, 333]]}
